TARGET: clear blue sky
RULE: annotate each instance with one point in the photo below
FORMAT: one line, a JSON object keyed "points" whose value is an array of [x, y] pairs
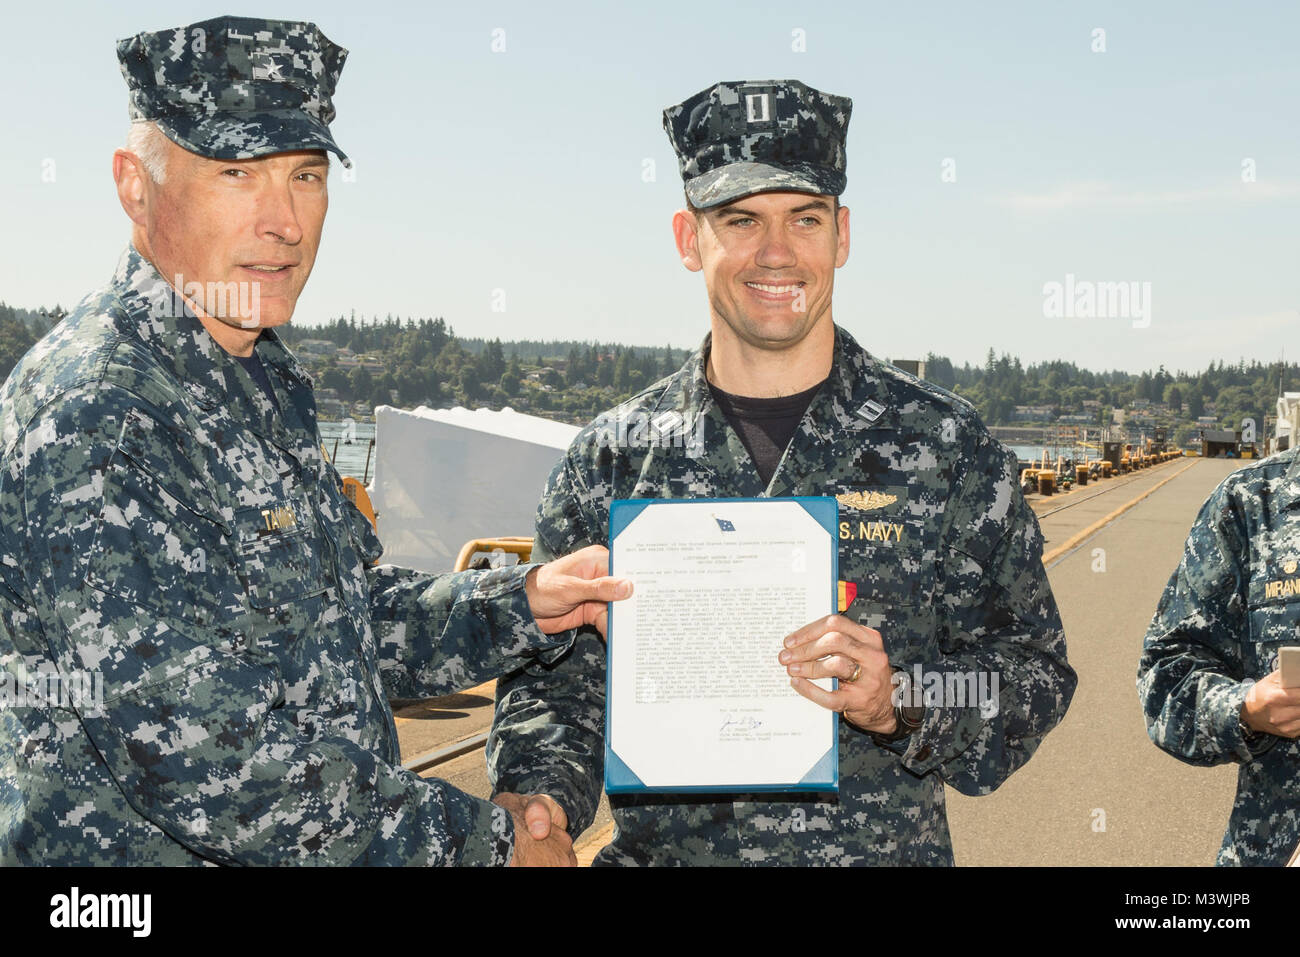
{"points": [[522, 170]]}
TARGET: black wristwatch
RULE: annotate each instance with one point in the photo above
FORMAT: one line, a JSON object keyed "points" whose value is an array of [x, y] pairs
{"points": [[907, 716], [1249, 733]]}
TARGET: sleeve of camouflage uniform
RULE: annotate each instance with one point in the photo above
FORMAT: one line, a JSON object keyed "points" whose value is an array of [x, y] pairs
{"points": [[997, 617], [548, 733], [190, 726], [1191, 678], [441, 633]]}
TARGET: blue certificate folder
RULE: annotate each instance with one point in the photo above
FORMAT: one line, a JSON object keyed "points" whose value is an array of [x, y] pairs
{"points": [[823, 774]]}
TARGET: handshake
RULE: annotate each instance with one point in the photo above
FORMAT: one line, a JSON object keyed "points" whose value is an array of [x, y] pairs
{"points": [[541, 831], [568, 592]]}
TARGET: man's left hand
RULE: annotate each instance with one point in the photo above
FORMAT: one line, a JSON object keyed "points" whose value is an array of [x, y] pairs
{"points": [[573, 591], [838, 647]]}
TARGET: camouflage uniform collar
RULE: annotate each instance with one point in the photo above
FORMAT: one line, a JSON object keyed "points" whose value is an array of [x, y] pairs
{"points": [[162, 319], [859, 397], [274, 353], [862, 398], [1288, 491]]}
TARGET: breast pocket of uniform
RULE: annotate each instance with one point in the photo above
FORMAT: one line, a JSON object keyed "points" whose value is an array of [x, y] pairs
{"points": [[887, 573], [278, 548], [160, 542], [1273, 607], [1272, 627]]}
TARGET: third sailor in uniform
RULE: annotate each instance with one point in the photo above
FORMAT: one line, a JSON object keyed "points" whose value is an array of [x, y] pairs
{"points": [[939, 554], [1209, 678]]}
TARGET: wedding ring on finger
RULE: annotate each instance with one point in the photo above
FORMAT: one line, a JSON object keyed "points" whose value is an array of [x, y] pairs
{"points": [[857, 670]]}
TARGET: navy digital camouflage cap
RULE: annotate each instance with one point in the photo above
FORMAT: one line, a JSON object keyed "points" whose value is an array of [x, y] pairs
{"points": [[236, 87], [738, 138]]}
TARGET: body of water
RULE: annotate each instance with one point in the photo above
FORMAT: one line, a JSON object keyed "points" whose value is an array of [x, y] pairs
{"points": [[353, 442]]}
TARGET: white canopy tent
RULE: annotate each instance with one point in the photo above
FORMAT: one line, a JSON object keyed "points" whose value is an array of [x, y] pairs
{"points": [[1288, 421], [445, 476]]}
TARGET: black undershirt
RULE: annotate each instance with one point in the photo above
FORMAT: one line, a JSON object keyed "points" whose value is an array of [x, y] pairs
{"points": [[253, 366], [765, 426]]}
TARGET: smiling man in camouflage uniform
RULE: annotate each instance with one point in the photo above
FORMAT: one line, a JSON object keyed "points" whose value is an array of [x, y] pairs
{"points": [[196, 646], [1209, 679], [938, 552]]}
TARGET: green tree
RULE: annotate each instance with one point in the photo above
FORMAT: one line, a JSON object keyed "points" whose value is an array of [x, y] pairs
{"points": [[410, 386], [574, 371], [1144, 386], [336, 379], [622, 370], [468, 386], [492, 362], [939, 371], [432, 383], [363, 384], [668, 365], [15, 340]]}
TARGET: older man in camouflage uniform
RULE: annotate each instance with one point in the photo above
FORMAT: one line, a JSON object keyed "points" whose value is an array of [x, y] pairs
{"points": [[196, 646], [939, 553], [1209, 678]]}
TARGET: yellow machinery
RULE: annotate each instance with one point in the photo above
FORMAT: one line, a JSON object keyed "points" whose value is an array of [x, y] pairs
{"points": [[515, 545], [357, 495]]}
